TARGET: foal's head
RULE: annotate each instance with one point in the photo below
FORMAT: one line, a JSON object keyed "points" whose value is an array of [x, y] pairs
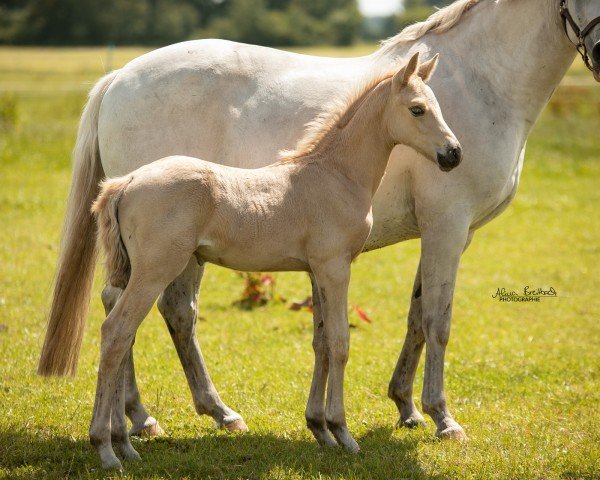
{"points": [[414, 118]]}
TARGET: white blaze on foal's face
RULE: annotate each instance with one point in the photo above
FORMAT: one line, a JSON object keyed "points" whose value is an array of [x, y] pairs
{"points": [[415, 118]]}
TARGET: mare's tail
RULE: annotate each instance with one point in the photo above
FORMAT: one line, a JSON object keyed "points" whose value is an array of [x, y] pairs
{"points": [[77, 257]]}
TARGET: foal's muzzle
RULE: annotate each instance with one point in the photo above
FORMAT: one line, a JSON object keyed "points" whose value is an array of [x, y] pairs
{"points": [[450, 158]]}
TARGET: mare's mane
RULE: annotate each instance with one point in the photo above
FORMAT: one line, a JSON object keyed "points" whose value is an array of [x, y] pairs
{"points": [[439, 22]]}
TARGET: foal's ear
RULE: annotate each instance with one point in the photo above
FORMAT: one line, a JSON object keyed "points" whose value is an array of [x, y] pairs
{"points": [[427, 68], [402, 78]]}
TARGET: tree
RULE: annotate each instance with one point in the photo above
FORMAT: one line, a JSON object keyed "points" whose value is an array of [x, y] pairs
{"points": [[158, 22]]}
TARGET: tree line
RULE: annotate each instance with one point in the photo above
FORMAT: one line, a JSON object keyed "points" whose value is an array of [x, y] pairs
{"points": [[160, 22]]}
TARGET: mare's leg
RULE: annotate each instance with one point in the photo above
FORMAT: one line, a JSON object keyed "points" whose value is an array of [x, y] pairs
{"points": [[118, 332], [142, 422], [315, 407], [332, 279], [401, 385], [442, 245], [178, 305]]}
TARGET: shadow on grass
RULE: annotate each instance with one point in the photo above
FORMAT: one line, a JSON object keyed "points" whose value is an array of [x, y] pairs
{"points": [[248, 456]]}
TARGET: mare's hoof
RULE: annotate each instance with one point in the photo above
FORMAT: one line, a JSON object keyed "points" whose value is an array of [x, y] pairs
{"points": [[237, 426], [112, 464], [131, 455], [147, 431], [351, 446], [414, 421], [454, 432]]}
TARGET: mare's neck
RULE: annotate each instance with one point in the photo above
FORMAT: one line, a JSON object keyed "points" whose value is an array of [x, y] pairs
{"points": [[512, 50], [360, 148]]}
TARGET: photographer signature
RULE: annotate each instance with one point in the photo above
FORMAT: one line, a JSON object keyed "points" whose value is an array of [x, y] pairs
{"points": [[529, 294]]}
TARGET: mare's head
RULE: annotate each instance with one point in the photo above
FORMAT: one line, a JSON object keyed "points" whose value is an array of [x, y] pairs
{"points": [[414, 117], [582, 22]]}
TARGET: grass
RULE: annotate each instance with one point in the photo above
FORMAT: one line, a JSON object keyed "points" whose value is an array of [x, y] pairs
{"points": [[524, 380]]}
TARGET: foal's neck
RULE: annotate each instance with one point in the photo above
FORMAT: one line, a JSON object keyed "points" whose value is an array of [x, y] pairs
{"points": [[359, 146]]}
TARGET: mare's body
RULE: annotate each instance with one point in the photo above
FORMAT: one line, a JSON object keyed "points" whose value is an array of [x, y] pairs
{"points": [[240, 104]]}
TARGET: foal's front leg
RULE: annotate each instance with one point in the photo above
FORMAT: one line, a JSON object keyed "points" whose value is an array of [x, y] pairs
{"points": [[315, 407], [333, 278]]}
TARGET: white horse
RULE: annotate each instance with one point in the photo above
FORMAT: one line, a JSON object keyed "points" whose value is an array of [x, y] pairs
{"points": [[309, 211], [240, 104]]}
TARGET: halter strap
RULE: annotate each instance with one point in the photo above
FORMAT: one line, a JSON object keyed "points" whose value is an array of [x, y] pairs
{"points": [[584, 33], [581, 33]]}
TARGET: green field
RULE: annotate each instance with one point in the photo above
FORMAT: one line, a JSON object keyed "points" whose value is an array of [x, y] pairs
{"points": [[522, 379]]}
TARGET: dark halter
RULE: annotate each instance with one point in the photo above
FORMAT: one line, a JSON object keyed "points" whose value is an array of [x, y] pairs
{"points": [[581, 33]]}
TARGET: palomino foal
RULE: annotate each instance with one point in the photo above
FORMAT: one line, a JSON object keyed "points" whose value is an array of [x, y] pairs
{"points": [[310, 211]]}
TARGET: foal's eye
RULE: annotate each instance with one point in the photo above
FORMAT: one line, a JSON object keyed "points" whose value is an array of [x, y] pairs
{"points": [[417, 111]]}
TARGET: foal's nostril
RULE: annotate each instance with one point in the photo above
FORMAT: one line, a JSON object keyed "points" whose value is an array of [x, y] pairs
{"points": [[456, 154]]}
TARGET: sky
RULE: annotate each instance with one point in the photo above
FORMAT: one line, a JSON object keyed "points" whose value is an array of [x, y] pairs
{"points": [[378, 7]]}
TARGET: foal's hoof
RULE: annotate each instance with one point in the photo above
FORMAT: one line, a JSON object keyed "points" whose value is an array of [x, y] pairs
{"points": [[237, 426], [454, 432], [321, 433], [343, 437], [151, 429], [414, 421]]}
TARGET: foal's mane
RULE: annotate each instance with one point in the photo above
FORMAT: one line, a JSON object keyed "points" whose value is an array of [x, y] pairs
{"points": [[439, 22], [336, 115]]}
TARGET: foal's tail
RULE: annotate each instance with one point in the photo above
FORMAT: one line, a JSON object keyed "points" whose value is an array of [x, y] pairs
{"points": [[77, 257], [118, 267]]}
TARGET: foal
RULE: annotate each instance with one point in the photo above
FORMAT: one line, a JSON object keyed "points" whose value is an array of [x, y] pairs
{"points": [[310, 211]]}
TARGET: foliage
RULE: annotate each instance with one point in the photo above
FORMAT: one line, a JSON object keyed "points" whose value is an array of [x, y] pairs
{"points": [[156, 22], [259, 290], [412, 15], [8, 112], [524, 380], [414, 11]]}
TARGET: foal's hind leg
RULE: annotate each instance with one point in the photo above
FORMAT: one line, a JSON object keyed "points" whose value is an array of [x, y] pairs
{"points": [[178, 305], [118, 331], [142, 422], [315, 407], [401, 385]]}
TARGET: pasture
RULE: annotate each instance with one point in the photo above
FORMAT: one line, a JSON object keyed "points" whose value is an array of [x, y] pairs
{"points": [[522, 379]]}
